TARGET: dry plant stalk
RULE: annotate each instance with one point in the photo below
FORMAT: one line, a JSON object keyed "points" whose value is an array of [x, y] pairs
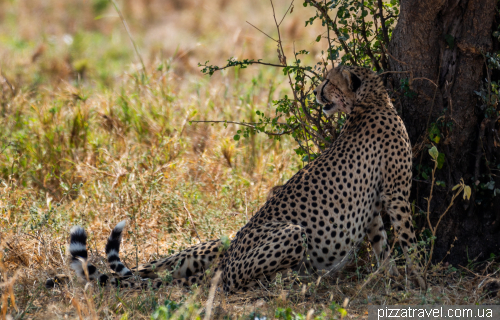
{"points": [[381, 267], [458, 188], [125, 25], [87, 292], [211, 294], [87, 295], [75, 304], [191, 220], [9, 287]]}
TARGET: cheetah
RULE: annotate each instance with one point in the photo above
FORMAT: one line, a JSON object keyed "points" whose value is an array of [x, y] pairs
{"points": [[316, 218]]}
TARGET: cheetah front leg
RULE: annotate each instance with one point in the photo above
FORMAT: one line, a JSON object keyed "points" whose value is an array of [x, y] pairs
{"points": [[378, 239], [261, 252], [400, 213]]}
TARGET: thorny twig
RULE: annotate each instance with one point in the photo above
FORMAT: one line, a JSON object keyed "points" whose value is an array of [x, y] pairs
{"points": [[246, 124]]}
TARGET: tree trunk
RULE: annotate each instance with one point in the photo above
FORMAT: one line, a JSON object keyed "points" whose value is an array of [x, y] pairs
{"points": [[441, 44]]}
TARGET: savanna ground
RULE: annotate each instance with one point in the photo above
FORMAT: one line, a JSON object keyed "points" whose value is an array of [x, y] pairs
{"points": [[90, 138]]}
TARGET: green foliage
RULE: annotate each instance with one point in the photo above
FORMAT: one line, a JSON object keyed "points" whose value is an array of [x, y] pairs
{"points": [[99, 6], [338, 312], [434, 153], [166, 311], [357, 33], [226, 242], [405, 88], [450, 40], [434, 133], [485, 191], [489, 92], [489, 97]]}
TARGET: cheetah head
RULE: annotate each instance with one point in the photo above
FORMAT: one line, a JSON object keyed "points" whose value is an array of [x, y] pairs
{"points": [[338, 91]]}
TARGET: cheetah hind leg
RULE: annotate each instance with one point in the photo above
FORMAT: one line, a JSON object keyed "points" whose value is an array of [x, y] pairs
{"points": [[378, 239], [261, 253]]}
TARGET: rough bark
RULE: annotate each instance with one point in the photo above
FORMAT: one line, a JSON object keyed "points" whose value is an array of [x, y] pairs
{"points": [[440, 43]]}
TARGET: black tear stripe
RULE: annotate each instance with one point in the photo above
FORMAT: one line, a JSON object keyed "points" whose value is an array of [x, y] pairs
{"points": [[322, 94]]}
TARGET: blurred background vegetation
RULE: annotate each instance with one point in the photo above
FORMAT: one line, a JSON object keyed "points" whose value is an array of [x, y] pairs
{"points": [[73, 87], [88, 137]]}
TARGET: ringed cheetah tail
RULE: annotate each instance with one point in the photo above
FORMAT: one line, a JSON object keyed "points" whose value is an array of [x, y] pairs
{"points": [[78, 251], [113, 251]]}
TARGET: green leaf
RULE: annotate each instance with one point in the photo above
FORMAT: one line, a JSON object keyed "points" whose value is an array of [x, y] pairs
{"points": [[226, 242], [236, 137], [450, 40], [318, 38], [434, 152], [440, 183], [490, 185], [342, 311], [440, 160], [425, 176]]}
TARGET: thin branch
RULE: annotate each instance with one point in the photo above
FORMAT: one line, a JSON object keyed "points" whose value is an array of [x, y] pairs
{"points": [[211, 295], [330, 42], [385, 32], [383, 56], [192, 222], [246, 124], [304, 109], [394, 58], [283, 58], [387, 72], [263, 32], [11, 87], [430, 198], [336, 30], [291, 4], [423, 78], [267, 64], [297, 140], [281, 51], [129, 34], [275, 21], [363, 34]]}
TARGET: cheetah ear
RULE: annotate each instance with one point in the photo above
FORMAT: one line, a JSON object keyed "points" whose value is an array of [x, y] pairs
{"points": [[353, 80]]}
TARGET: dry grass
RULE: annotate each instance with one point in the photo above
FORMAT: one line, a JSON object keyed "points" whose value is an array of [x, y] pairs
{"points": [[88, 139]]}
